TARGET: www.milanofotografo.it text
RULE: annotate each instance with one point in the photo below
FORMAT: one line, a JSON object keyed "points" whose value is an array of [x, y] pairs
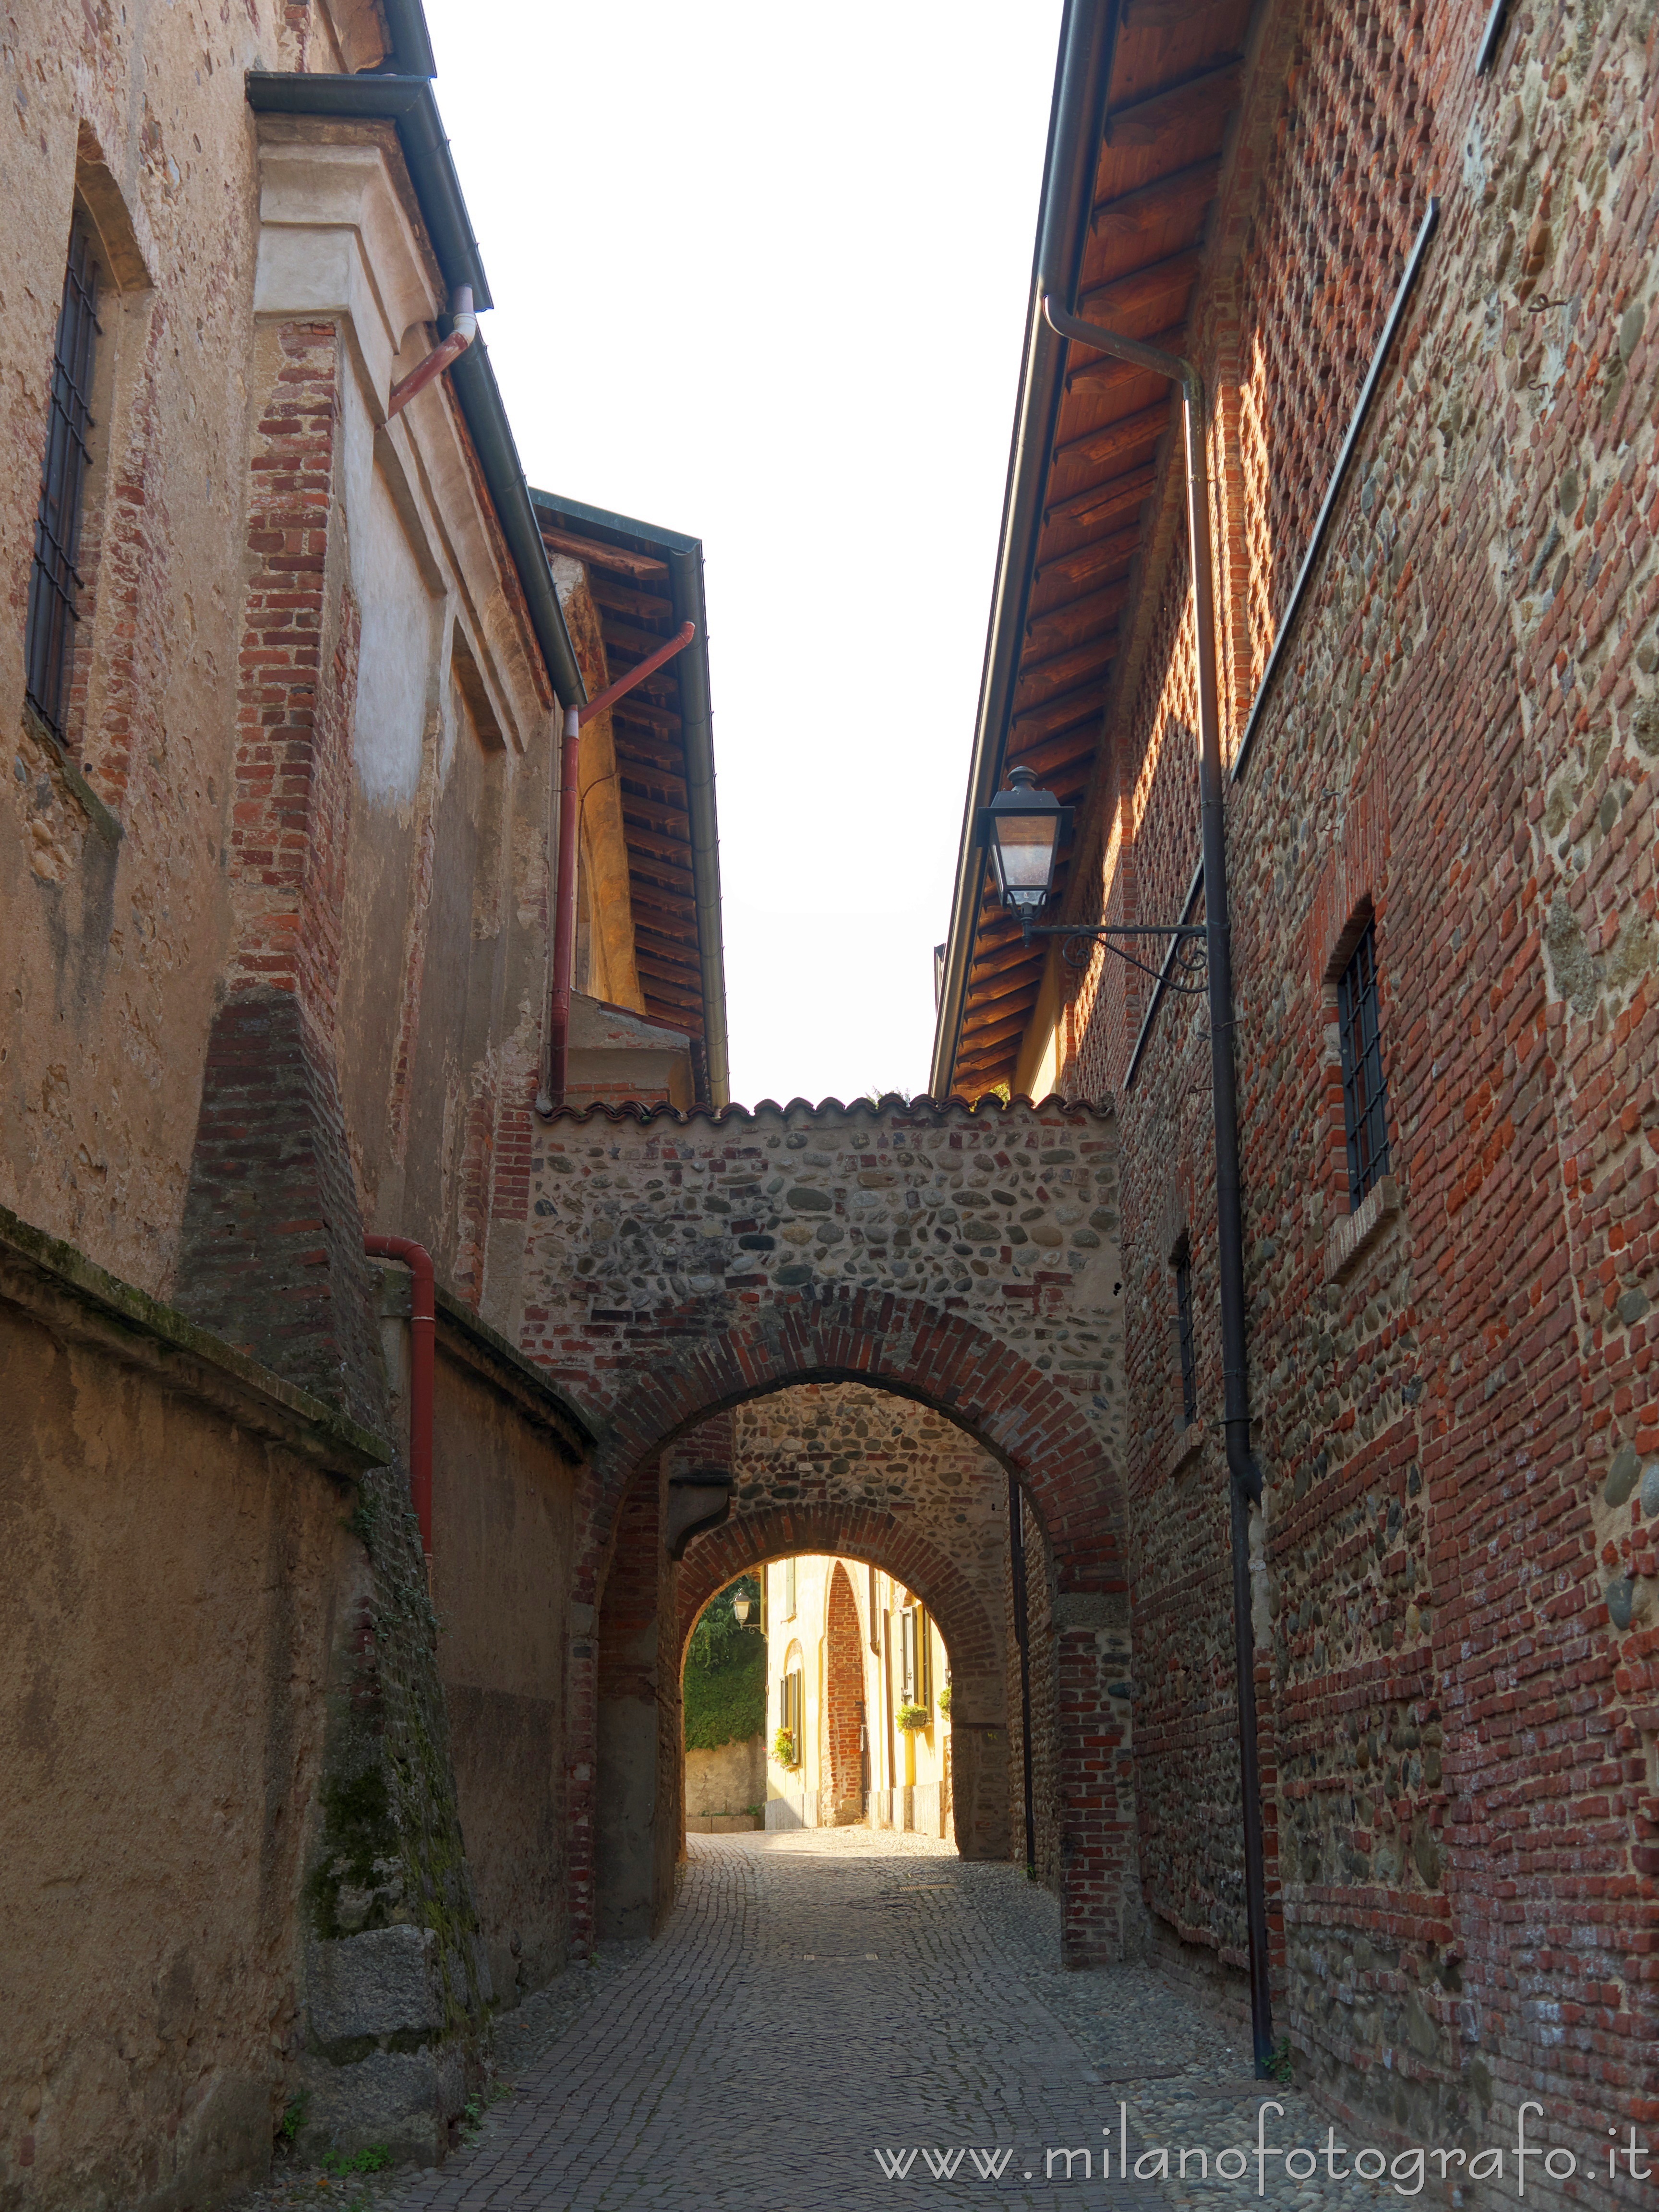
{"points": [[1255, 2165]]}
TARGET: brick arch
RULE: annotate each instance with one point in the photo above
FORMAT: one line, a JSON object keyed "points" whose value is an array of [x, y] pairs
{"points": [[884, 1541], [1033, 1424]]}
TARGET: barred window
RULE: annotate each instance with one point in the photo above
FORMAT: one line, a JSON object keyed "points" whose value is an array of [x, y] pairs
{"points": [[1183, 1281], [1365, 1094], [54, 584]]}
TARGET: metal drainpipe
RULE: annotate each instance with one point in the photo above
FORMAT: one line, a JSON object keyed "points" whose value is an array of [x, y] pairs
{"points": [[1245, 1485], [1023, 1640], [422, 1361], [549, 1101], [465, 330]]}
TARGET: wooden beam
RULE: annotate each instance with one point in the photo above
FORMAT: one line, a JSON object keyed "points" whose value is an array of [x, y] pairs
{"points": [[636, 747], [1116, 441], [1006, 1032], [1160, 289], [1048, 759], [645, 606], [1077, 618], [634, 639], [1179, 198], [680, 914], [633, 708], [1115, 550], [1056, 714], [1200, 100], [1107, 501], [601, 556], [1063, 669], [1099, 375]]}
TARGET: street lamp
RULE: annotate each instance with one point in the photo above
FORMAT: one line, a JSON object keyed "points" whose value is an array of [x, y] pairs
{"points": [[1022, 828], [1025, 827], [740, 1611]]}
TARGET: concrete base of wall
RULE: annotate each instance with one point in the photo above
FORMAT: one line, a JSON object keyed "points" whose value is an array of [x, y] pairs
{"points": [[921, 1809], [794, 1810], [720, 1824], [728, 1780]]}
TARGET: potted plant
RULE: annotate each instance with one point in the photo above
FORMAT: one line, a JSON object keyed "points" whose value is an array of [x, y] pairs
{"points": [[912, 1716], [783, 1748]]}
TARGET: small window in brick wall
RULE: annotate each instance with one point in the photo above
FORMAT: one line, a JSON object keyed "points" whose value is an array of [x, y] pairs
{"points": [[54, 580], [1183, 1289], [1365, 1094]]}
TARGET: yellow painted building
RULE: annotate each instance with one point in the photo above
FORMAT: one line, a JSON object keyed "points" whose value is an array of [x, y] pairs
{"points": [[858, 1700]]}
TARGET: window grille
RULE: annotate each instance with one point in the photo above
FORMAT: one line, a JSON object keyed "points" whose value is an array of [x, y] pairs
{"points": [[1183, 1275], [54, 583], [1365, 1094]]}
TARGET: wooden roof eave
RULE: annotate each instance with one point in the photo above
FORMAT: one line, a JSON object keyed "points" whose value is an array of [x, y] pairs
{"points": [[1146, 191]]}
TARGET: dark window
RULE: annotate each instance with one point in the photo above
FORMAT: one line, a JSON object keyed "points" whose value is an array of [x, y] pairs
{"points": [[54, 585], [1364, 1095], [1183, 1275]]}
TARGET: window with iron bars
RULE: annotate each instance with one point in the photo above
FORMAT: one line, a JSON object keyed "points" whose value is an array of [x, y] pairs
{"points": [[1183, 1279], [1365, 1094], [55, 583]]}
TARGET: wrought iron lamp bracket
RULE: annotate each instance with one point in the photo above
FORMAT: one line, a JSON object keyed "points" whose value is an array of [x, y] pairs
{"points": [[1186, 972]]}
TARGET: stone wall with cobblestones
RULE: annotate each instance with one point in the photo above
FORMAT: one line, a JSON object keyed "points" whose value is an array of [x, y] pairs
{"points": [[1457, 1628]]}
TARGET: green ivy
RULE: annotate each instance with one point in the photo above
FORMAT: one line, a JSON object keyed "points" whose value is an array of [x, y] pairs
{"points": [[726, 1704]]}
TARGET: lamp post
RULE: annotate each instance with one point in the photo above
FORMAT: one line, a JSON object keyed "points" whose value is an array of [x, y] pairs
{"points": [[1022, 828]]}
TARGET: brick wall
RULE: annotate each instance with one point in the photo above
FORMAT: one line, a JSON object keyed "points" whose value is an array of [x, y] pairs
{"points": [[271, 1253], [842, 1793], [1457, 1623]]}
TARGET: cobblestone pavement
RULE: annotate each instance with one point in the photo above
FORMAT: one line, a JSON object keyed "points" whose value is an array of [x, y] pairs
{"points": [[821, 1997]]}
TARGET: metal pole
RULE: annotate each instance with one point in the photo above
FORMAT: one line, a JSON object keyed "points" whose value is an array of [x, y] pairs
{"points": [[1022, 1641], [1245, 1476]]}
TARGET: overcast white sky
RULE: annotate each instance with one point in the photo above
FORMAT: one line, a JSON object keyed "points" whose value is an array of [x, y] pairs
{"points": [[760, 274]]}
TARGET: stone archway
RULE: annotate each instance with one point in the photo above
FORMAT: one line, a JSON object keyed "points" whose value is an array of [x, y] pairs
{"points": [[964, 1258]]}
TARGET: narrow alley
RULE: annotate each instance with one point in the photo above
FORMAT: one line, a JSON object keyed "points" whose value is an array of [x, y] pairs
{"points": [[1014, 1551], [823, 1996]]}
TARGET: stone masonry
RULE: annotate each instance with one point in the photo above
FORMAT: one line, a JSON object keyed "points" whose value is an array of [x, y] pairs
{"points": [[689, 1263]]}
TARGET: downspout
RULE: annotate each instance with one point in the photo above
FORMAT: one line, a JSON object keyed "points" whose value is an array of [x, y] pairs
{"points": [[1245, 1484], [549, 1101], [422, 1361], [1022, 1641], [464, 329]]}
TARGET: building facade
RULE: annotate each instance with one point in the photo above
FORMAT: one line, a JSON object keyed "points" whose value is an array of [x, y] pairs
{"points": [[858, 1700], [1408, 254], [286, 1700]]}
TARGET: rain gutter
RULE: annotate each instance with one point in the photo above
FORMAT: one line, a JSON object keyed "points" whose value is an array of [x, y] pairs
{"points": [[408, 103], [411, 48], [1077, 118]]}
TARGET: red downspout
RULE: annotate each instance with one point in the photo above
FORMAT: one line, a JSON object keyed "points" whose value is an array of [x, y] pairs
{"points": [[465, 330], [423, 1342], [564, 896]]}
